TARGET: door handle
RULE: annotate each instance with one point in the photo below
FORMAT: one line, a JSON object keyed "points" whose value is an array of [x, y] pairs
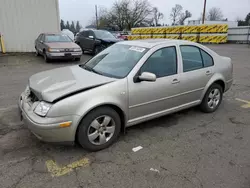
{"points": [[208, 73], [175, 81]]}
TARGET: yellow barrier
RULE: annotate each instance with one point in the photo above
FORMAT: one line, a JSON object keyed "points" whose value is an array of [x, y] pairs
{"points": [[217, 39], [190, 29], [158, 30], [217, 28], [190, 38]]}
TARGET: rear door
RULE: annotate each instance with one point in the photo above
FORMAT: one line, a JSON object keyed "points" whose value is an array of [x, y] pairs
{"points": [[197, 70], [81, 39]]}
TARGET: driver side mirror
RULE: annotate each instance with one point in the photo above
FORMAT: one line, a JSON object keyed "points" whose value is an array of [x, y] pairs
{"points": [[41, 41], [91, 37], [147, 76]]}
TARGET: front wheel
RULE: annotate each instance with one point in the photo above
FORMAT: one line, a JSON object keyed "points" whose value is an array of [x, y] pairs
{"points": [[97, 50], [37, 52], [212, 99], [46, 59], [99, 129]]}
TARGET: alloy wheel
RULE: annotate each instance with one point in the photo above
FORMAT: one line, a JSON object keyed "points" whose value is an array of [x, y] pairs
{"points": [[101, 130], [214, 98]]}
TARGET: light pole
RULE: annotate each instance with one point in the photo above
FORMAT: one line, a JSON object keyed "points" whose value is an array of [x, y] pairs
{"points": [[204, 11], [96, 17]]}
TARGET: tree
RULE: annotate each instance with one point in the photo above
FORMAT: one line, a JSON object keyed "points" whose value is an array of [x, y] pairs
{"points": [[215, 14], [67, 26], [175, 13], [72, 27], [183, 17], [245, 22], [62, 24], [78, 27], [157, 16], [126, 14]]}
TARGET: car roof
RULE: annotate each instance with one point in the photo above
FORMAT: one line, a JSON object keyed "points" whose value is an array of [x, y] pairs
{"points": [[150, 43]]}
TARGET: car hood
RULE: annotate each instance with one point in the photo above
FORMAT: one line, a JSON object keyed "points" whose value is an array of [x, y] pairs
{"points": [[110, 40], [59, 83], [62, 45]]}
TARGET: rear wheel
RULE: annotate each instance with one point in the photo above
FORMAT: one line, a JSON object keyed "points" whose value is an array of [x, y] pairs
{"points": [[99, 129], [212, 99]]}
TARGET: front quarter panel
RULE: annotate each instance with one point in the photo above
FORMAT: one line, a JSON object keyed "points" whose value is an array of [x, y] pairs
{"points": [[114, 93]]}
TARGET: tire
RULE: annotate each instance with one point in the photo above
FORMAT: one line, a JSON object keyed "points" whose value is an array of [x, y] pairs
{"points": [[97, 50], [37, 52], [46, 59], [98, 138], [212, 99], [78, 59]]}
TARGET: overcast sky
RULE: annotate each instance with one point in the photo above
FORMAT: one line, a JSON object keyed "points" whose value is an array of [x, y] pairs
{"points": [[84, 10]]}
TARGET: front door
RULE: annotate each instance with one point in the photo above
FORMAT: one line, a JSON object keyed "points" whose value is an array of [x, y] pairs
{"points": [[147, 99]]}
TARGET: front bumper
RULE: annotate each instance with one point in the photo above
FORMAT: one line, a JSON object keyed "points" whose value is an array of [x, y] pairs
{"points": [[47, 128], [62, 55]]}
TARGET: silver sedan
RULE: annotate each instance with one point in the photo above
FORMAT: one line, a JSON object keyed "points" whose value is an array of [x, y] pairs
{"points": [[126, 84]]}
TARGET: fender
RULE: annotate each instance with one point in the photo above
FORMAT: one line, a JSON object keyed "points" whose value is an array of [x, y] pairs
{"points": [[215, 77]]}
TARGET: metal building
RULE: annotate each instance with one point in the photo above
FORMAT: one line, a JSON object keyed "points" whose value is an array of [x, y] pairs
{"points": [[21, 21]]}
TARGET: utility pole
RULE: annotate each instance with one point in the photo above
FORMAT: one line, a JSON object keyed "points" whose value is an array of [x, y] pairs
{"points": [[204, 11], [96, 18]]}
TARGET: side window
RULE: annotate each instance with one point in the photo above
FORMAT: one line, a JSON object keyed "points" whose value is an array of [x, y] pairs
{"points": [[91, 33], [207, 59], [84, 34], [162, 63], [39, 37], [43, 38], [191, 58]]}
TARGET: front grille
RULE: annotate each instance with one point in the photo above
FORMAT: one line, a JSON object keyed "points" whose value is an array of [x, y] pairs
{"points": [[67, 50]]}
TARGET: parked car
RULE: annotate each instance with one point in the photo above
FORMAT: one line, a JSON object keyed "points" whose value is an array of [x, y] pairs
{"points": [[95, 40], [123, 35], [126, 84], [57, 46]]}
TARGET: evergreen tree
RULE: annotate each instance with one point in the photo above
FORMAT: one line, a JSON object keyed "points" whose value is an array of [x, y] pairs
{"points": [[67, 25], [62, 24], [78, 26]]}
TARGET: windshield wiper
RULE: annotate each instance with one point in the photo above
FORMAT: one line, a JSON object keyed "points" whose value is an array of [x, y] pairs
{"points": [[90, 69]]}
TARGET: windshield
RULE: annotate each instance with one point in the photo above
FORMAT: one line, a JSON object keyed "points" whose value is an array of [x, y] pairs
{"points": [[57, 38], [103, 34], [116, 61]]}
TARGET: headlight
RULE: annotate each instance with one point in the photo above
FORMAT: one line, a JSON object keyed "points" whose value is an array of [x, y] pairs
{"points": [[77, 49], [42, 108], [54, 50]]}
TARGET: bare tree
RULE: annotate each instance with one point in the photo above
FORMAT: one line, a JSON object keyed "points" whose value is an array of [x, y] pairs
{"points": [[126, 14], [175, 13], [183, 17], [157, 16], [215, 14]]}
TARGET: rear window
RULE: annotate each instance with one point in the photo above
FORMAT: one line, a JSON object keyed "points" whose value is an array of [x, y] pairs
{"points": [[57, 38]]}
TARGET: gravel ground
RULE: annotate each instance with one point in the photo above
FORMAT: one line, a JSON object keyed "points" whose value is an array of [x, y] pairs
{"points": [[184, 150]]}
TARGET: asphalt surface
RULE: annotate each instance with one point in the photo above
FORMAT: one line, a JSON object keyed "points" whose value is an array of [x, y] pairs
{"points": [[187, 149]]}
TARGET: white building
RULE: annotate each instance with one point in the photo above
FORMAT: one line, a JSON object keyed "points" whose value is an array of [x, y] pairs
{"points": [[21, 21]]}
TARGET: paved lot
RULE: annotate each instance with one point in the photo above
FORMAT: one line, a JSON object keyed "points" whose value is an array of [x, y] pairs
{"points": [[189, 149]]}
